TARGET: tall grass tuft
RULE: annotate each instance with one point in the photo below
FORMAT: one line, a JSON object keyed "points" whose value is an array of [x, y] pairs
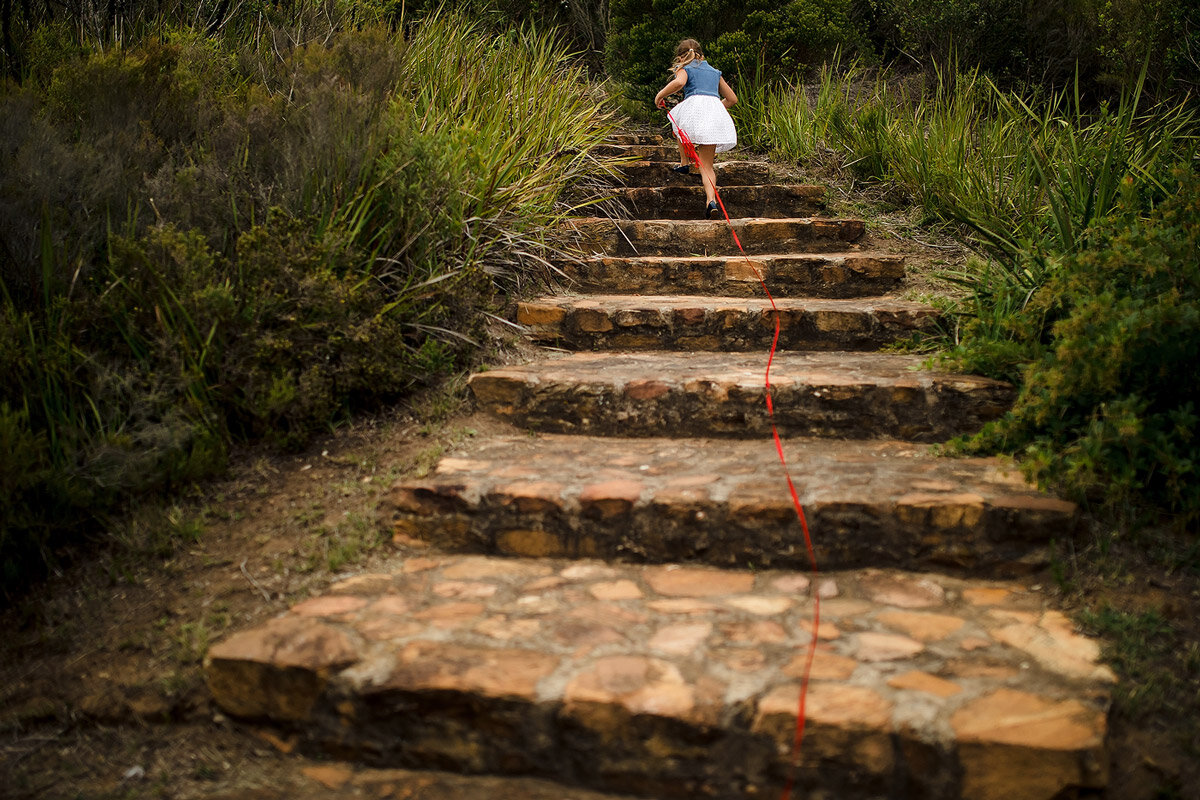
{"points": [[248, 228]]}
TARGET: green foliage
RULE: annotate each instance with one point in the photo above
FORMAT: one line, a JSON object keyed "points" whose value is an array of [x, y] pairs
{"points": [[213, 239], [738, 37], [1001, 37], [1164, 33], [1088, 300], [1110, 406], [1102, 43]]}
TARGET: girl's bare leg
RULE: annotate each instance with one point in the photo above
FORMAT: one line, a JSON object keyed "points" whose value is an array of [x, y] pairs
{"points": [[709, 175], [683, 157]]}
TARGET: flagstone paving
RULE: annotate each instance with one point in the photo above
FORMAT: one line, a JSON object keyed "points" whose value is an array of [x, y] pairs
{"points": [[680, 322], [831, 275], [631, 612], [350, 781], [678, 681], [875, 503], [729, 173], [701, 237], [723, 394], [683, 202]]}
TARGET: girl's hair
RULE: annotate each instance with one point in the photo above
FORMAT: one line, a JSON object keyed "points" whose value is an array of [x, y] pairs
{"points": [[687, 51]]}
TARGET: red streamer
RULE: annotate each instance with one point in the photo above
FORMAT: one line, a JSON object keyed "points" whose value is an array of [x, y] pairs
{"points": [[689, 150]]}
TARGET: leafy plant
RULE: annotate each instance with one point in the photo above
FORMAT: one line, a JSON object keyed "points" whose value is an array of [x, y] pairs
{"points": [[250, 233], [1109, 407], [786, 39]]}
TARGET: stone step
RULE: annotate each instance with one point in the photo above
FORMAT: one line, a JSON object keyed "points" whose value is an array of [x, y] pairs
{"points": [[665, 151], [687, 202], [349, 781], [845, 395], [832, 275], [678, 682], [635, 322], [712, 237], [729, 173], [642, 138], [726, 503]]}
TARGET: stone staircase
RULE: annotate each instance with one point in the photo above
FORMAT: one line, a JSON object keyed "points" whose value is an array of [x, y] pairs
{"points": [[620, 599]]}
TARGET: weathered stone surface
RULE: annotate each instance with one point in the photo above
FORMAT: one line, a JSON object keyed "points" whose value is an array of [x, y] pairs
{"points": [[924, 627], [729, 173], [676, 582], [711, 237], [680, 678], [904, 590], [313, 783], [924, 682], [667, 151], [851, 492], [484, 671], [885, 647], [831, 275], [1055, 645], [675, 201], [700, 323], [846, 395], [278, 670], [1022, 746]]}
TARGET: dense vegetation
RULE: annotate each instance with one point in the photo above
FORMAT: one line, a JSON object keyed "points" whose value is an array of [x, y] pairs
{"points": [[220, 238], [1089, 295], [1049, 43]]}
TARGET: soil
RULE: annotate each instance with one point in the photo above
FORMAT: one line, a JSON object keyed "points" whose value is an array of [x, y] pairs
{"points": [[101, 691]]}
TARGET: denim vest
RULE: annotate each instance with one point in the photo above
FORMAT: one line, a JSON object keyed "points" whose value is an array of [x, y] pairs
{"points": [[702, 79]]}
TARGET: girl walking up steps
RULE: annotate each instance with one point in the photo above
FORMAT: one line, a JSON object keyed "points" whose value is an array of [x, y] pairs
{"points": [[703, 115]]}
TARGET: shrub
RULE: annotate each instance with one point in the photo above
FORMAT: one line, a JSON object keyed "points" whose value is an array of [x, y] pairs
{"points": [[1161, 35], [1091, 294], [237, 240], [739, 38], [1110, 408], [1003, 38]]}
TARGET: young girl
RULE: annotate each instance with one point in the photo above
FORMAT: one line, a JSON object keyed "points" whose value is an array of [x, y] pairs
{"points": [[703, 115]]}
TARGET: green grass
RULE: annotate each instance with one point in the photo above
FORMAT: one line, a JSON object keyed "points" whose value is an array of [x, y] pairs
{"points": [[1158, 666]]}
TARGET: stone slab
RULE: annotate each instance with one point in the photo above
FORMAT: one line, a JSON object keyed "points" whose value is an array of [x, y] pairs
{"points": [[665, 151], [688, 201], [642, 137], [831, 275], [712, 237], [729, 173], [844, 395], [335, 780], [689, 687], [726, 502], [624, 322]]}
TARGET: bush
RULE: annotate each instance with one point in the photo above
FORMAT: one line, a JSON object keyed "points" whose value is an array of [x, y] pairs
{"points": [[1091, 295], [1111, 408], [1160, 34], [209, 240], [1040, 42], [739, 38]]}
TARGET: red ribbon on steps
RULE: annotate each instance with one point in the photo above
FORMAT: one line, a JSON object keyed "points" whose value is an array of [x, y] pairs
{"points": [[689, 150]]}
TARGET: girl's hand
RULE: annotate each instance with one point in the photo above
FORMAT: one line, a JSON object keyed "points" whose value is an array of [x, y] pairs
{"points": [[660, 102]]}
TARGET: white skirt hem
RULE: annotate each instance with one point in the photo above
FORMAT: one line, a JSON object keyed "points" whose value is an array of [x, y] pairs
{"points": [[705, 120]]}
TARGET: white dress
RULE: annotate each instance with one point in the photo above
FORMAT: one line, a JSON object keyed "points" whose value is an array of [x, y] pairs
{"points": [[705, 120]]}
